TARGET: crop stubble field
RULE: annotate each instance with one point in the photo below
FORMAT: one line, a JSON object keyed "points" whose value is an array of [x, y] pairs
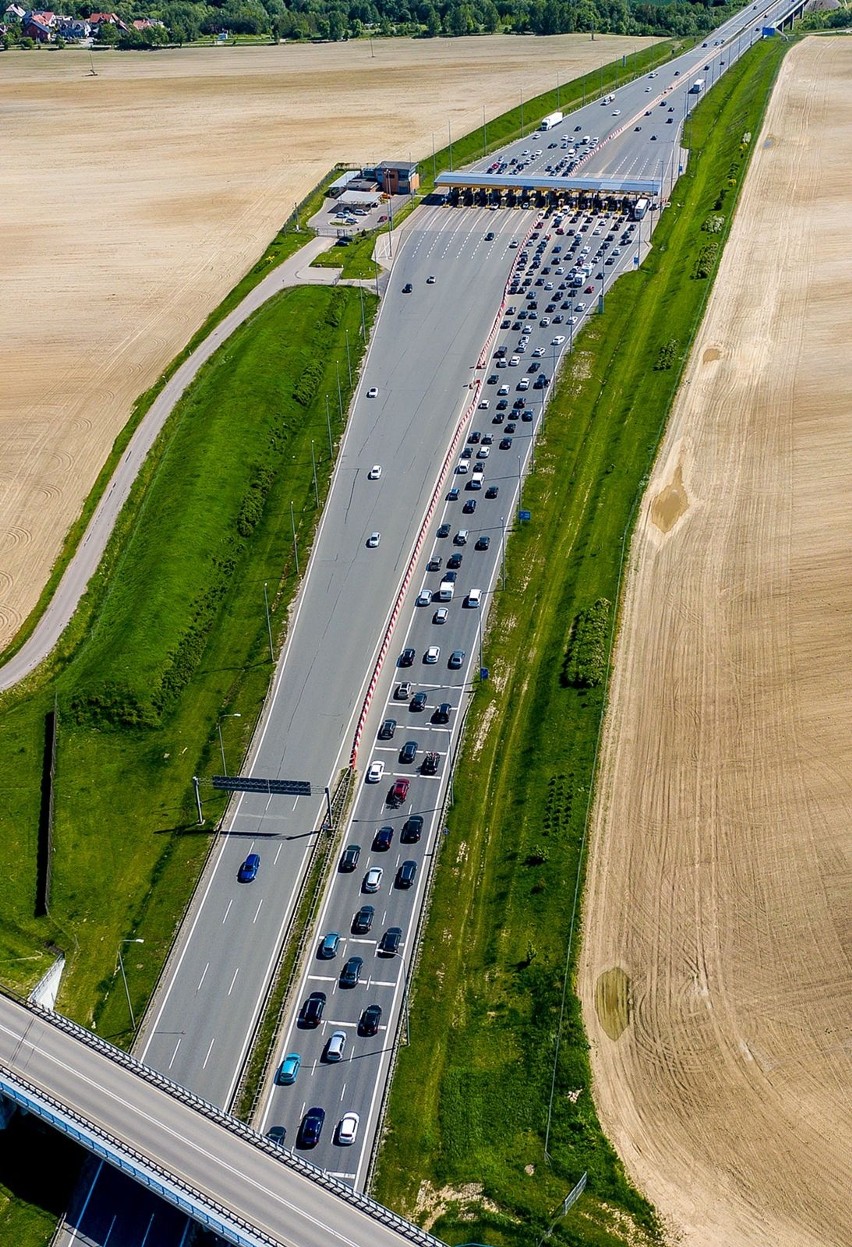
{"points": [[716, 963], [134, 200]]}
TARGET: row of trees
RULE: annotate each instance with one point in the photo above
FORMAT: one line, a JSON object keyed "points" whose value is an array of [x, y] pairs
{"points": [[186, 21]]}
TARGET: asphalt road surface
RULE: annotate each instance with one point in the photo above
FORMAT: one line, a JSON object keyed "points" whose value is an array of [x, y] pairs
{"points": [[202, 1154]]}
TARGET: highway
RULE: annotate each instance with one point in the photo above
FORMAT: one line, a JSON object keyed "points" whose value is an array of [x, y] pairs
{"points": [[156, 1130], [422, 363]]}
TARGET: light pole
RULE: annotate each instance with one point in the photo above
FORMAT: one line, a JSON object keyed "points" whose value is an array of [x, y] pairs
{"points": [[348, 358], [328, 418], [314, 466], [401, 957], [268, 622], [503, 550], [124, 979], [295, 544], [221, 743]]}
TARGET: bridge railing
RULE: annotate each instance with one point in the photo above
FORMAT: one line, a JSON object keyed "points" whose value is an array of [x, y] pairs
{"points": [[284, 1155]]}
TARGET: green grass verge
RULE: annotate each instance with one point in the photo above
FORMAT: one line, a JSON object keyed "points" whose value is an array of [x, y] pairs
{"points": [[354, 260], [171, 634], [469, 1104]]}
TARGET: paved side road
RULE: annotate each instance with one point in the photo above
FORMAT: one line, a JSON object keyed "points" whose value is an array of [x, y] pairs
{"points": [[294, 271]]}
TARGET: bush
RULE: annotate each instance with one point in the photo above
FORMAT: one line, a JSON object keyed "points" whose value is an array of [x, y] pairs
{"points": [[667, 355], [706, 261], [587, 647]]}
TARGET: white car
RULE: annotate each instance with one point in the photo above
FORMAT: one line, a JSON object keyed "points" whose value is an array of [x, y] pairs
{"points": [[579, 307], [424, 597], [538, 353], [373, 540], [558, 340], [513, 243], [440, 615], [461, 467], [432, 654], [484, 405], [373, 879], [430, 281], [375, 772], [335, 1046], [504, 389], [375, 472], [347, 1131], [483, 452], [617, 112], [372, 392], [647, 89], [514, 361], [524, 383], [572, 320]]}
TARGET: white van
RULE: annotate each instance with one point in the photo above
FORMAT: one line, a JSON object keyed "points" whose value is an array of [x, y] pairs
{"points": [[473, 598], [446, 591]]}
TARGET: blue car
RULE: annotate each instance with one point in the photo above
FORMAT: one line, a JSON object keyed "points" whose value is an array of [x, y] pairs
{"points": [[289, 1069], [248, 870]]}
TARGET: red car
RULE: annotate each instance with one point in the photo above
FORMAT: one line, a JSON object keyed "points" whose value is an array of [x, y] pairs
{"points": [[589, 290], [399, 792]]}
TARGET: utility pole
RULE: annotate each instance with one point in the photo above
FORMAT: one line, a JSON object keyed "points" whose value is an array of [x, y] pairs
{"points": [[124, 979], [314, 466], [197, 788], [348, 358], [268, 623], [221, 743], [295, 544], [503, 550], [328, 424], [363, 324], [339, 391]]}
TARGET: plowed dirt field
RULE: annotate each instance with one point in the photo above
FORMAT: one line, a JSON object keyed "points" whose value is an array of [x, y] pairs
{"points": [[716, 964], [134, 200]]}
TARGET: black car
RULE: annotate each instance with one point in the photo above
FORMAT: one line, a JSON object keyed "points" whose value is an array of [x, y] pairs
{"points": [[313, 1009], [412, 829], [406, 658], [387, 729], [492, 491], [469, 507], [277, 1135], [502, 404], [474, 437], [466, 453], [452, 493], [483, 543], [442, 713], [506, 443], [383, 838], [349, 860], [311, 1127], [407, 288], [350, 975], [369, 1020], [444, 530], [408, 752], [406, 874], [455, 560], [390, 941], [418, 701], [510, 428], [363, 920]]}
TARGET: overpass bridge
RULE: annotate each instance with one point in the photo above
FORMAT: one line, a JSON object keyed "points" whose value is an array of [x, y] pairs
{"points": [[214, 1168]]}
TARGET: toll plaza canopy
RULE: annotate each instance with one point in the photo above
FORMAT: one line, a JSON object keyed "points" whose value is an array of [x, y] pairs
{"points": [[506, 182]]}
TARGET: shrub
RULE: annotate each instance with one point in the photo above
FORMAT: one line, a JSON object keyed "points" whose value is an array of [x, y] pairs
{"points": [[587, 646], [666, 355]]}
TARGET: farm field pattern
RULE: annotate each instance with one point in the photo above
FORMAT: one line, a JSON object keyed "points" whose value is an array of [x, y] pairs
{"points": [[135, 200], [716, 963]]}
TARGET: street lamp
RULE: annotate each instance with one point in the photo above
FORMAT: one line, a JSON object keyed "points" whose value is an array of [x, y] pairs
{"points": [[401, 957], [221, 743], [124, 978]]}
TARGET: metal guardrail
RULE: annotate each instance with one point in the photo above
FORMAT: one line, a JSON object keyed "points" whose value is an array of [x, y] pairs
{"points": [[215, 1114]]}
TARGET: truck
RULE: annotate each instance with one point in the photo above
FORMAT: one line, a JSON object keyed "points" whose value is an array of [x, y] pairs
{"points": [[639, 209], [697, 87], [551, 120]]}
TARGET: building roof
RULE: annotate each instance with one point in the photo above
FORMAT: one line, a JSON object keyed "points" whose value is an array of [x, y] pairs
{"points": [[404, 166], [345, 178], [503, 181], [360, 197]]}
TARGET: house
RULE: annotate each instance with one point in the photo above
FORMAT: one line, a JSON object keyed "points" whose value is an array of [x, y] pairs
{"points": [[14, 14], [73, 27], [148, 23], [39, 26], [96, 20]]}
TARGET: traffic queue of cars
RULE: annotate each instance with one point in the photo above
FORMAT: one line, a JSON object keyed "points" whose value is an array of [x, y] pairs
{"points": [[359, 962]]}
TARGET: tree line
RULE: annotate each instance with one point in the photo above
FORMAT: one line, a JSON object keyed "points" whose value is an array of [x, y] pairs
{"points": [[186, 21]]}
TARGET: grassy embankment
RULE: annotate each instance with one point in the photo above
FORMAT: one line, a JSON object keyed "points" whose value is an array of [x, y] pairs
{"points": [[469, 1104], [171, 634], [356, 259]]}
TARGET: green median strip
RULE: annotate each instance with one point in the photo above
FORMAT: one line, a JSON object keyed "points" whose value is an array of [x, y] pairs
{"points": [[468, 1113]]}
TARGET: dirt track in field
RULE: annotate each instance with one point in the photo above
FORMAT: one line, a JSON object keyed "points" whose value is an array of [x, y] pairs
{"points": [[134, 200], [716, 963]]}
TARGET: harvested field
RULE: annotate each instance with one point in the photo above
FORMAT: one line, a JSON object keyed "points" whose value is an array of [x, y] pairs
{"points": [[716, 964], [134, 201]]}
